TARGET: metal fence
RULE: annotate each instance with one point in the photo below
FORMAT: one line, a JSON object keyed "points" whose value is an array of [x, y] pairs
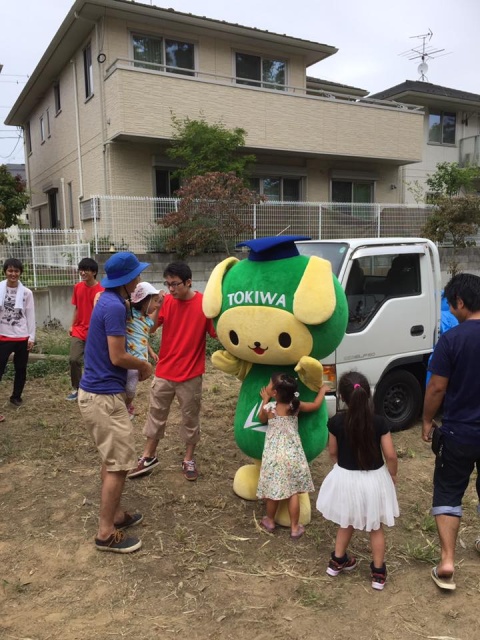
{"points": [[49, 256], [119, 223]]}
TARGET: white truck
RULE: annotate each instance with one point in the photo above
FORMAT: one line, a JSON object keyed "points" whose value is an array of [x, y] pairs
{"points": [[393, 292]]}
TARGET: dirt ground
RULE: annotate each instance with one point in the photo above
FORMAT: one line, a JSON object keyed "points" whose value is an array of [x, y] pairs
{"points": [[205, 570]]}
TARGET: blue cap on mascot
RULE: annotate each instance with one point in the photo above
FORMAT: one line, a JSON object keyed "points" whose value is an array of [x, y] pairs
{"points": [[272, 248]]}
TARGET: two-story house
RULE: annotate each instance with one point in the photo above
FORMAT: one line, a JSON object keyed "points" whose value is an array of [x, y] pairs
{"points": [[97, 111], [451, 130]]}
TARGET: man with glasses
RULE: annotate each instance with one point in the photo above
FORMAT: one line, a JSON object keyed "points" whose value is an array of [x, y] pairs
{"points": [[179, 370]]}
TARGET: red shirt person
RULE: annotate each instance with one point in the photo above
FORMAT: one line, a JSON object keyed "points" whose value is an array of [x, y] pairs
{"points": [[83, 297], [179, 370]]}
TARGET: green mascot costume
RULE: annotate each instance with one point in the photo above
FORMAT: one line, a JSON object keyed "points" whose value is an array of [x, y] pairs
{"points": [[275, 311]]}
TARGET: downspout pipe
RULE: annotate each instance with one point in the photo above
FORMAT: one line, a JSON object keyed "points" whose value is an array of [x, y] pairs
{"points": [[79, 146]]}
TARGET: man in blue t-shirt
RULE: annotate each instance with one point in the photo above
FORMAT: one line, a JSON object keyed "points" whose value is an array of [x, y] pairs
{"points": [[455, 381], [101, 398]]}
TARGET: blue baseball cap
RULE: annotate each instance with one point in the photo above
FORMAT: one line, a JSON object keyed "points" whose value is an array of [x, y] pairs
{"points": [[122, 268]]}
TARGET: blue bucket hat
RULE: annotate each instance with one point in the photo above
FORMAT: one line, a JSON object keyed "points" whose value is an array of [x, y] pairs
{"points": [[122, 268]]}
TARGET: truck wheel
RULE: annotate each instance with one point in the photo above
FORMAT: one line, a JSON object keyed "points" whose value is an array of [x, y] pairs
{"points": [[398, 398]]}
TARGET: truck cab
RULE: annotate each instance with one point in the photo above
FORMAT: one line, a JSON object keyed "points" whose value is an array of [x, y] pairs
{"points": [[392, 287]]}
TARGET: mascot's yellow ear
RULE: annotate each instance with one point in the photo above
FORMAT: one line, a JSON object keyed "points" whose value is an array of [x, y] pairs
{"points": [[212, 297], [314, 300]]}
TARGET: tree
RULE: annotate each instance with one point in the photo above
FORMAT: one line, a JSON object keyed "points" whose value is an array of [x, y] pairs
{"points": [[13, 197], [450, 179], [206, 148], [209, 216], [455, 220]]}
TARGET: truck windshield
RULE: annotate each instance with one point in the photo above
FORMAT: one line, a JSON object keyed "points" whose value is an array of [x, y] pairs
{"points": [[334, 252]]}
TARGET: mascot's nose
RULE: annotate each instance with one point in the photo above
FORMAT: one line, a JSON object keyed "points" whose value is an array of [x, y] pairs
{"points": [[256, 344]]}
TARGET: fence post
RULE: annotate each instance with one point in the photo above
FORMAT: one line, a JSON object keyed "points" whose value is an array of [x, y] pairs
{"points": [[319, 221], [32, 243], [95, 230], [378, 221], [254, 220]]}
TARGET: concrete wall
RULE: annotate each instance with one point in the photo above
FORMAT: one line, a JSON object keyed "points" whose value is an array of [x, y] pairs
{"points": [[54, 302]]}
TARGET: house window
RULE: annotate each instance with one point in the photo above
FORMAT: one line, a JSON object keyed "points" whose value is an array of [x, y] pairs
{"points": [[88, 71], [278, 189], [174, 56], [352, 191], [53, 208], [47, 120], [441, 127], [260, 72], [28, 138], [56, 97], [42, 128], [166, 184]]}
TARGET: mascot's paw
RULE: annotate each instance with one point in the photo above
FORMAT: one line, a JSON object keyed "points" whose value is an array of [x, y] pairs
{"points": [[227, 363], [310, 372], [282, 517], [245, 482]]}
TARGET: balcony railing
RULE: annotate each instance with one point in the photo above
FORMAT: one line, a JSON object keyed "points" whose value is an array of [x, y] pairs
{"points": [[259, 85]]}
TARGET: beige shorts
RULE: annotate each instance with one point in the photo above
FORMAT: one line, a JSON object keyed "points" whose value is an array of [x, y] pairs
{"points": [[189, 397], [107, 421]]}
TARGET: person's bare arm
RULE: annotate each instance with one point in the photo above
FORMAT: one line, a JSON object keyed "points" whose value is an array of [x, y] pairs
{"points": [[333, 448], [74, 319], [262, 414], [120, 358], [390, 455], [434, 394], [308, 407]]}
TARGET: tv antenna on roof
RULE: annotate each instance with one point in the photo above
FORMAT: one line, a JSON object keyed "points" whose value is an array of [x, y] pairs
{"points": [[423, 53]]}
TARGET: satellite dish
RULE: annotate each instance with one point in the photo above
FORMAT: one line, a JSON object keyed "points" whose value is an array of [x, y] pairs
{"points": [[422, 70]]}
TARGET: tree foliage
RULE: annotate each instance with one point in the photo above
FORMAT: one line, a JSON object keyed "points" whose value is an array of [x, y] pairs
{"points": [[454, 220], [13, 197], [206, 148], [210, 214], [450, 179]]}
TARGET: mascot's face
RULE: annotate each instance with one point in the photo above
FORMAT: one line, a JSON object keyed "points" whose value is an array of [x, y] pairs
{"points": [[275, 312], [264, 335]]}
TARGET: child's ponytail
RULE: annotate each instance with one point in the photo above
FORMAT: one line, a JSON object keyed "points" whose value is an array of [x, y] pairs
{"points": [[359, 428]]}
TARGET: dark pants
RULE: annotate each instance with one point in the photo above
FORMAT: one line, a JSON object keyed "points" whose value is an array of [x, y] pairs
{"points": [[453, 468], [20, 360], [77, 348]]}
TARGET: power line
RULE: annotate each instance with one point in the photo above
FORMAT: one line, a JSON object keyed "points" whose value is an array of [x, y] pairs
{"points": [[13, 151]]}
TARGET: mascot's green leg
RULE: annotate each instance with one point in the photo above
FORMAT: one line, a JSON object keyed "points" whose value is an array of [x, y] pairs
{"points": [[245, 482], [282, 517]]}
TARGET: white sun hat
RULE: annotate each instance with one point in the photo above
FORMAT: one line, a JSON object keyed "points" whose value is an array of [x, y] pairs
{"points": [[142, 290]]}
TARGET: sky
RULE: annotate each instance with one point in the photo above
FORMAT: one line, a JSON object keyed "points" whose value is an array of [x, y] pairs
{"points": [[370, 35]]}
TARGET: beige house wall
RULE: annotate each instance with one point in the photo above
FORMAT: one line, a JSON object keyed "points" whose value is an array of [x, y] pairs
{"points": [[54, 163], [214, 54]]}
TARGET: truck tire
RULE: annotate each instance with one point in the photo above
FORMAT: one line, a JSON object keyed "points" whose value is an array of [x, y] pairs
{"points": [[398, 398]]}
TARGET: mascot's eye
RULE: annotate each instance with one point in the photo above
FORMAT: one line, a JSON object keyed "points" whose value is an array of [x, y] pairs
{"points": [[234, 338], [285, 340]]}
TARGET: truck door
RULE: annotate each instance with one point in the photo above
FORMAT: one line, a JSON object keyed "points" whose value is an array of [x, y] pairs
{"points": [[391, 326]]}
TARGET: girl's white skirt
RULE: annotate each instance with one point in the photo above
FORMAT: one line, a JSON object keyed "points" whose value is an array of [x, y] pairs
{"points": [[361, 499]]}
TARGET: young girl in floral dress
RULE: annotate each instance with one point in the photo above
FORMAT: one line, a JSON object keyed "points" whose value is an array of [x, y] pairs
{"points": [[284, 472]]}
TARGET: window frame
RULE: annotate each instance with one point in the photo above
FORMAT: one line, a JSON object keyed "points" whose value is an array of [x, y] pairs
{"points": [[57, 97], [260, 84], [88, 71], [261, 186], [353, 182], [41, 123], [162, 65], [442, 114]]}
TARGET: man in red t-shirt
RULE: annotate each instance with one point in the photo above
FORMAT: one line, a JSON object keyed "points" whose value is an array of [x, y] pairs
{"points": [[84, 293], [179, 370]]}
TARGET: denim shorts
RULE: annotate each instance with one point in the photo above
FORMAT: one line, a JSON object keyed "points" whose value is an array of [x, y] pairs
{"points": [[453, 468]]}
